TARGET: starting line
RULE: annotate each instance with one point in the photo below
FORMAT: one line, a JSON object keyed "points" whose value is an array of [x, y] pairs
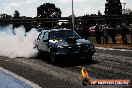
{"points": [[11, 80]]}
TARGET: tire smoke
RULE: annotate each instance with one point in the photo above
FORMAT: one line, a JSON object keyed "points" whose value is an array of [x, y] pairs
{"points": [[17, 42]]}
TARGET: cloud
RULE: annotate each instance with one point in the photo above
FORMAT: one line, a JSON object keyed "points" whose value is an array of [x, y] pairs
{"points": [[13, 4], [8, 8], [76, 1], [67, 12], [32, 9], [123, 1], [87, 10], [30, 1], [80, 11], [18, 2]]}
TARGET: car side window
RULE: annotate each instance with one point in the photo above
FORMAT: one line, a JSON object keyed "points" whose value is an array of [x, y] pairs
{"points": [[45, 36], [40, 36]]}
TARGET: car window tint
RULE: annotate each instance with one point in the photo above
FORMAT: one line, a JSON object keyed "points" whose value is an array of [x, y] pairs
{"points": [[39, 37], [45, 36], [63, 34]]}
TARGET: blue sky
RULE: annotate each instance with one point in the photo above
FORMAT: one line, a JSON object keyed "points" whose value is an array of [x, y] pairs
{"points": [[81, 7]]}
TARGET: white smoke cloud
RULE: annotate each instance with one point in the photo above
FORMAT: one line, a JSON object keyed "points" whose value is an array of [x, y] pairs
{"points": [[17, 43], [123, 1]]}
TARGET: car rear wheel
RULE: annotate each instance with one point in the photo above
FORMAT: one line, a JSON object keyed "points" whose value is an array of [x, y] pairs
{"points": [[36, 47], [39, 52]]}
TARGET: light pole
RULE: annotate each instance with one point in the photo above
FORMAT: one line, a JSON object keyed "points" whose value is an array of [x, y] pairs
{"points": [[124, 11], [124, 8], [72, 17]]}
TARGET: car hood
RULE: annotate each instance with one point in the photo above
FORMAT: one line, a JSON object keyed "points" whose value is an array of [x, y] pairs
{"points": [[66, 43]]}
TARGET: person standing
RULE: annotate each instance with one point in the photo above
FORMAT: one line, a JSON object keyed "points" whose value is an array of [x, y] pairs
{"points": [[112, 32], [105, 35], [124, 30], [98, 34]]}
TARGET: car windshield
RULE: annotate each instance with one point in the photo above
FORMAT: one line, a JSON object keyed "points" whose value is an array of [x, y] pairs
{"points": [[63, 34]]}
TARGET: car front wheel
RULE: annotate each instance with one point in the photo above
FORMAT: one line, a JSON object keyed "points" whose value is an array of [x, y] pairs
{"points": [[53, 58], [88, 59], [39, 53]]}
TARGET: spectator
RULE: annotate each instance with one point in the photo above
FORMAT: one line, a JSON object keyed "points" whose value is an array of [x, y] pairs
{"points": [[112, 32], [79, 31], [98, 34], [124, 30], [105, 35], [85, 32]]}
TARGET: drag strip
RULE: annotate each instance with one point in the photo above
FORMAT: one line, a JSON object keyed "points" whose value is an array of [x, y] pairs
{"points": [[11, 80], [42, 74], [117, 52], [112, 49], [105, 65]]}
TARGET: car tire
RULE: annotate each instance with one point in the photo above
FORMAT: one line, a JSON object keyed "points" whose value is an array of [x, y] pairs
{"points": [[88, 59], [39, 52], [53, 58], [36, 47]]}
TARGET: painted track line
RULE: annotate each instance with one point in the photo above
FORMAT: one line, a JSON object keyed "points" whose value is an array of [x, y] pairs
{"points": [[33, 85], [102, 48]]}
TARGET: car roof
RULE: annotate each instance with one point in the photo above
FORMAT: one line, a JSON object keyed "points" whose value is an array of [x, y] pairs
{"points": [[55, 30]]}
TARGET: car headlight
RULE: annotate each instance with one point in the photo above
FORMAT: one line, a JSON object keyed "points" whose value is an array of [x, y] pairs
{"points": [[87, 45], [90, 46], [60, 47], [79, 46]]}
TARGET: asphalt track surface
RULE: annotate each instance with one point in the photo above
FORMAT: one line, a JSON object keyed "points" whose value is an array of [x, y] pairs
{"points": [[106, 64], [11, 80]]}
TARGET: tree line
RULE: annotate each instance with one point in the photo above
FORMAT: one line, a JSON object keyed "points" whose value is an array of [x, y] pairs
{"points": [[49, 10]]}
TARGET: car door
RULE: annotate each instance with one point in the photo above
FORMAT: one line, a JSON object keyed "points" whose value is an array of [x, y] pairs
{"points": [[38, 42], [44, 41]]}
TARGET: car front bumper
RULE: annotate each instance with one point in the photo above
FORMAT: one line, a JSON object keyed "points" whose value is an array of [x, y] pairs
{"points": [[76, 54]]}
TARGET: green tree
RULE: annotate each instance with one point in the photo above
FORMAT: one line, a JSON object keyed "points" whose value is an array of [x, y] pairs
{"points": [[113, 7], [99, 13], [127, 11], [48, 10], [5, 16], [16, 14]]}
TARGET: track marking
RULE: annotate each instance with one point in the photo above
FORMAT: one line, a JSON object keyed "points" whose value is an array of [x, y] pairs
{"points": [[33, 85], [102, 48]]}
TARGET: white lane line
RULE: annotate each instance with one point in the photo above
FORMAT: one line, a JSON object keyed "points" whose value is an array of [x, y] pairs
{"points": [[102, 48], [33, 85]]}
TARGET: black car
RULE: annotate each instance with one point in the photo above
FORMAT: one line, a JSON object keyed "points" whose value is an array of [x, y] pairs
{"points": [[64, 43]]}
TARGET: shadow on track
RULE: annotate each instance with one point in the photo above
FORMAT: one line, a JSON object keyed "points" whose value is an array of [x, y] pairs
{"points": [[73, 63], [67, 62]]}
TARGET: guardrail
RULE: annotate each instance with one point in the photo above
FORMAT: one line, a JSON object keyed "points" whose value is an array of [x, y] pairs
{"points": [[67, 19]]}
